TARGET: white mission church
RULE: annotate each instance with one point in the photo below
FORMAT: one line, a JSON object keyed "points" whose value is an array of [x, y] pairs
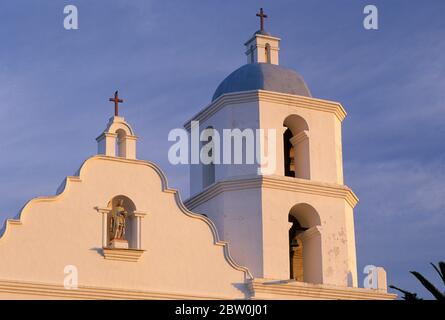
{"points": [[116, 230]]}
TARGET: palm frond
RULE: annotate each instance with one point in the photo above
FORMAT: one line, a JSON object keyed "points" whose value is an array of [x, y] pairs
{"points": [[408, 296], [441, 272], [429, 286]]}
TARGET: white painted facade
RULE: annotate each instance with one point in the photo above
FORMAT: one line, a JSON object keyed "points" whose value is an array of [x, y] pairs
{"points": [[238, 250], [251, 211]]}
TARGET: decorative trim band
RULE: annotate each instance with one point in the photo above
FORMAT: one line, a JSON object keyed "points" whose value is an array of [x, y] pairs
{"points": [[300, 137], [263, 289], [262, 36], [134, 138], [274, 182], [106, 135], [103, 210], [129, 255], [312, 232], [42, 290], [140, 214], [268, 96]]}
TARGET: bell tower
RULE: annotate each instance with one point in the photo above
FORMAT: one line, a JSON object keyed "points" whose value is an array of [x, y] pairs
{"points": [[118, 139], [295, 221], [262, 47]]}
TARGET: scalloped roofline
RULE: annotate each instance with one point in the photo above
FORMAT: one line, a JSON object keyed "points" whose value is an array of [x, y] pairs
{"points": [[69, 180]]}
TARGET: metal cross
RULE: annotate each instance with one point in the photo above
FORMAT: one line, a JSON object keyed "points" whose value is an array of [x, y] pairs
{"points": [[262, 16], [116, 101]]}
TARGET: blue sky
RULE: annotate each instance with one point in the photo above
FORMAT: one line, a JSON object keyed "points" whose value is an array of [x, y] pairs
{"points": [[167, 58]]}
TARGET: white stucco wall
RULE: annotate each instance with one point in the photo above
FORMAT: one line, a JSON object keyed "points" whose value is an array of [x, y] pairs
{"points": [[182, 253], [241, 116], [237, 215], [326, 163], [253, 216]]}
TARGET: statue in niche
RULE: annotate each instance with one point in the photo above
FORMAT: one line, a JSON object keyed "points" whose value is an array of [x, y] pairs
{"points": [[118, 221]]}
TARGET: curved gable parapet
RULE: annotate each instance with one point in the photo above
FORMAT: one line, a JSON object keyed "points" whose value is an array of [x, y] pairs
{"points": [[67, 185], [217, 240], [19, 217]]}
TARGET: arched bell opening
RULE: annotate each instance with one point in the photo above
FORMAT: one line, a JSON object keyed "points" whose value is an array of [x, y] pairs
{"points": [[296, 147], [305, 256]]}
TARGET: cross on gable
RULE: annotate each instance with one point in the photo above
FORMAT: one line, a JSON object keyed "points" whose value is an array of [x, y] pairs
{"points": [[116, 101]]}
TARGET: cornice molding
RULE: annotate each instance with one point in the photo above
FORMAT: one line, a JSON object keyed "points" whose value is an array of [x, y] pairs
{"points": [[103, 210], [303, 135], [139, 214], [105, 135], [310, 233], [42, 290], [268, 96], [266, 37], [259, 289], [274, 182], [268, 289], [128, 255], [107, 210], [132, 137]]}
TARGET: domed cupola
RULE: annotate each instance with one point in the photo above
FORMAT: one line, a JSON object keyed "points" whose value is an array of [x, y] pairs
{"points": [[263, 76], [262, 71]]}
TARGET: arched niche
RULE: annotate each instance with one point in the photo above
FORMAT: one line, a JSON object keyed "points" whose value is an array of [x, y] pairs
{"points": [[296, 147], [305, 255], [118, 205], [129, 248]]}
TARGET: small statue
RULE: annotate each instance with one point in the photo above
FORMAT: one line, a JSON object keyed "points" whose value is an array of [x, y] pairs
{"points": [[118, 221]]}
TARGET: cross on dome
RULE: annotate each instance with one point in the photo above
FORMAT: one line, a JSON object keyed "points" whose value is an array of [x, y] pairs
{"points": [[262, 16]]}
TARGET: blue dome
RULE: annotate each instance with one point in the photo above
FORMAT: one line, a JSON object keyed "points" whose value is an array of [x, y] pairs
{"points": [[263, 76]]}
